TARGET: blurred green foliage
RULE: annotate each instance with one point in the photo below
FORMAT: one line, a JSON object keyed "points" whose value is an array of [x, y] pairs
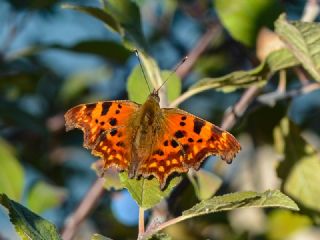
{"points": [[52, 59]]}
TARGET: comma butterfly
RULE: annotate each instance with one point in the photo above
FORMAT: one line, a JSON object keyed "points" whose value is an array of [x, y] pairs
{"points": [[148, 140]]}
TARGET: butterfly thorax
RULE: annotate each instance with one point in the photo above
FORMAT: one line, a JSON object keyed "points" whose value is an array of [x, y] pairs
{"points": [[146, 129]]}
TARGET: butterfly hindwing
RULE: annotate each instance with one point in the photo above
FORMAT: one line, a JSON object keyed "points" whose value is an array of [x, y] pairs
{"points": [[105, 127], [188, 140]]}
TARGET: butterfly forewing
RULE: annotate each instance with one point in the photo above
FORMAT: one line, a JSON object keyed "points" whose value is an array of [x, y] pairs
{"points": [[105, 127], [188, 140]]}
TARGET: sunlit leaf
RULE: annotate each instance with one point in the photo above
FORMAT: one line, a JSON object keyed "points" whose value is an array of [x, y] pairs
{"points": [[28, 224], [205, 183], [303, 40], [227, 202], [44, 196], [138, 90], [283, 223], [271, 198], [244, 19], [147, 192], [12, 174], [258, 76], [97, 13], [137, 87]]}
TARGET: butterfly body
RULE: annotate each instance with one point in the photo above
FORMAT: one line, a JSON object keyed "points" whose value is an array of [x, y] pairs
{"points": [[148, 140]]}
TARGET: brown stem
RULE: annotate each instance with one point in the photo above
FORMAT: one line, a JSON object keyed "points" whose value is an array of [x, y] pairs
{"points": [[141, 222], [84, 208], [239, 108], [195, 53]]}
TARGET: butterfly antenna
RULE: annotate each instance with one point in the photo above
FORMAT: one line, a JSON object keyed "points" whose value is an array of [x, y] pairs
{"points": [[144, 75], [174, 70]]}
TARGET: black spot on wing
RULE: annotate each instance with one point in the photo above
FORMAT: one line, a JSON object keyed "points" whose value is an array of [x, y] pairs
{"points": [[174, 143], [105, 108], [179, 134], [113, 132], [113, 121], [197, 125]]}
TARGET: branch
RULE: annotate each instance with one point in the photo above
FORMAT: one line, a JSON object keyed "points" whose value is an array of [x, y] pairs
{"points": [[74, 220], [200, 47]]}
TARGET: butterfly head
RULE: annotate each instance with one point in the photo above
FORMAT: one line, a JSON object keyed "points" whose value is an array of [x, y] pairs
{"points": [[154, 95]]}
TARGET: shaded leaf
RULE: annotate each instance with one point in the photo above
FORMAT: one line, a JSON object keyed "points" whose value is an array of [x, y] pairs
{"points": [[303, 40], [28, 224], [97, 236], [147, 192], [97, 13], [112, 51], [205, 183], [107, 49], [80, 81], [13, 113], [283, 223], [160, 236], [43, 196], [303, 181], [127, 14], [244, 19], [12, 174], [270, 198]]}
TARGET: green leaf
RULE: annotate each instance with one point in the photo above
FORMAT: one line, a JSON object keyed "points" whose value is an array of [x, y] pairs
{"points": [[97, 236], [270, 198], [12, 174], [173, 85], [289, 143], [147, 192], [303, 181], [97, 13], [106, 49], [281, 59], [160, 236], [127, 14], [283, 223], [43, 196], [244, 19], [111, 176], [303, 40], [80, 81], [28, 224], [138, 90], [137, 87], [205, 183], [109, 50], [275, 61]]}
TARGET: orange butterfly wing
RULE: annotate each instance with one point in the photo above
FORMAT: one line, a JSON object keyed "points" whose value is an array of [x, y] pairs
{"points": [[187, 141], [105, 127]]}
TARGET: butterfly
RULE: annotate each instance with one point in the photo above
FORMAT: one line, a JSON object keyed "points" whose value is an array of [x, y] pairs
{"points": [[147, 140]]}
